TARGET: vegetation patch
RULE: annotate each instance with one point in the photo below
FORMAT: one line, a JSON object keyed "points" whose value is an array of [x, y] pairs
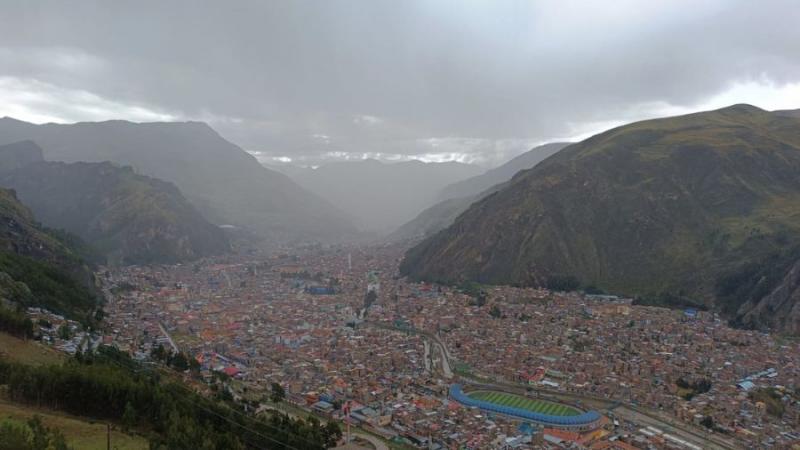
{"points": [[771, 398], [688, 389], [47, 286], [27, 351], [78, 433], [108, 385]]}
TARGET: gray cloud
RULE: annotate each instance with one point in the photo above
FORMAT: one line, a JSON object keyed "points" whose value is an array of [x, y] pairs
{"points": [[463, 79]]}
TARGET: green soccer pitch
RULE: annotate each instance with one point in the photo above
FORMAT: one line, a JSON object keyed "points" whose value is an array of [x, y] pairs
{"points": [[517, 401]]}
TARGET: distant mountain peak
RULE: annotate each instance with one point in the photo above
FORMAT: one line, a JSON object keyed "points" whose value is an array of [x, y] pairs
{"points": [[742, 108], [19, 154]]}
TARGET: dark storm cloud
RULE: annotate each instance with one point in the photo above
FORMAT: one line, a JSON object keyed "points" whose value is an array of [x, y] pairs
{"points": [[310, 79]]}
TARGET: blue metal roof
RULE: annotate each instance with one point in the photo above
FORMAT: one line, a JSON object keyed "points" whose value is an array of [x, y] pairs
{"points": [[582, 419]]}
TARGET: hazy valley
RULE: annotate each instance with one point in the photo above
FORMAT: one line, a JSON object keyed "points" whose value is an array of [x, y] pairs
{"points": [[400, 225]]}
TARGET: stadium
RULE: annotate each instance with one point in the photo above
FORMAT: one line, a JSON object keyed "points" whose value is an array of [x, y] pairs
{"points": [[541, 412]]}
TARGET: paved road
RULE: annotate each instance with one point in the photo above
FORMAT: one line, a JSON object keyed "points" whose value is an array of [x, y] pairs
{"points": [[427, 356], [445, 361], [377, 443], [169, 338]]}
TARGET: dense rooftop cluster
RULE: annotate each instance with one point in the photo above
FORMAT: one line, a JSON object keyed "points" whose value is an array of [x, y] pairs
{"points": [[261, 321]]}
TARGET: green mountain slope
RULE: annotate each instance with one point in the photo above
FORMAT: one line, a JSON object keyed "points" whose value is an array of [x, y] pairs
{"points": [[128, 218], [36, 269], [666, 209]]}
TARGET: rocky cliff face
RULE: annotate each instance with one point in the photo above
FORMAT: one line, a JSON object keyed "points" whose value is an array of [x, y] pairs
{"points": [[37, 269], [778, 310]]}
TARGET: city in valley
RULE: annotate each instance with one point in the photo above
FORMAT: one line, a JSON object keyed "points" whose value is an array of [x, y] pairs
{"points": [[417, 224], [349, 340]]}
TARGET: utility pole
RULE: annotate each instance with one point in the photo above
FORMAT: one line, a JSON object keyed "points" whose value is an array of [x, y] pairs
{"points": [[347, 418], [108, 436]]}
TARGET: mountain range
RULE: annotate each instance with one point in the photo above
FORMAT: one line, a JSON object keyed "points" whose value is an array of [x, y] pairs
{"points": [[225, 183], [458, 196], [381, 196], [697, 210], [125, 217]]}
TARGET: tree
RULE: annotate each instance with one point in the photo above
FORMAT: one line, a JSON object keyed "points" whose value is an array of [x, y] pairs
{"points": [[332, 434], [32, 435], [14, 436], [63, 332], [278, 393], [159, 353], [15, 322], [176, 416], [194, 365], [179, 362], [129, 416], [370, 298], [562, 283]]}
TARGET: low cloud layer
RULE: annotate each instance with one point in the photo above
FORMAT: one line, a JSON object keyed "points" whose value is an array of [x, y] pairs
{"points": [[435, 80]]}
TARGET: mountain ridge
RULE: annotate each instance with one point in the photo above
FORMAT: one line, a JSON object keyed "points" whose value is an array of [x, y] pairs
{"points": [[225, 183], [443, 213], [128, 218], [478, 184], [665, 206]]}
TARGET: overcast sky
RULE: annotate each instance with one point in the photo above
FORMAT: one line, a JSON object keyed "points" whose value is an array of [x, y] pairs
{"points": [[434, 80]]}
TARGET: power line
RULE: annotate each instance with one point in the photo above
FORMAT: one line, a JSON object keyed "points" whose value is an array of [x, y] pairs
{"points": [[133, 367], [138, 368]]}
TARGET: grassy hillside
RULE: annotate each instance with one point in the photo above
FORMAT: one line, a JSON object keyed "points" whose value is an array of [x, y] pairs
{"points": [[106, 385], [664, 208], [28, 351], [80, 433]]}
